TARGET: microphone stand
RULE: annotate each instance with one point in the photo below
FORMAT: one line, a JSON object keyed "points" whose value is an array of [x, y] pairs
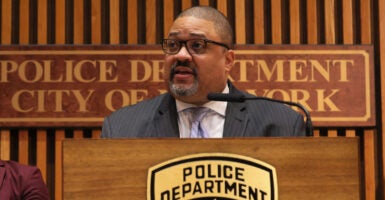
{"points": [[242, 98]]}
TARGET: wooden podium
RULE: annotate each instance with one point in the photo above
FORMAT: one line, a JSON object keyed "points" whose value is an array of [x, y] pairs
{"points": [[307, 168]]}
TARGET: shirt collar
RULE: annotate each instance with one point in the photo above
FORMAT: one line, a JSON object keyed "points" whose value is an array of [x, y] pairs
{"points": [[217, 106]]}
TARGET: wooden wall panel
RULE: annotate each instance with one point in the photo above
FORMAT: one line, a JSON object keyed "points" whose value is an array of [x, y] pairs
{"points": [[347, 15], [370, 157], [60, 21], [240, 23], [381, 27], [41, 135], [5, 144], [132, 21], [96, 22], [330, 27], [188, 4], [168, 16], [42, 22], [366, 21], [114, 22], [78, 10], [41, 152], [25, 22], [24, 27], [276, 21], [295, 23], [23, 146], [370, 136], [259, 22], [221, 6], [58, 190], [312, 22], [6, 21], [204, 2], [151, 20]]}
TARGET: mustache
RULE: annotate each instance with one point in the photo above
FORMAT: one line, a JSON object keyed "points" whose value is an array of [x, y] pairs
{"points": [[182, 64]]}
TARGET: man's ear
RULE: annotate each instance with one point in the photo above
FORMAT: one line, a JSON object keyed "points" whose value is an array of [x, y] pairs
{"points": [[230, 58]]}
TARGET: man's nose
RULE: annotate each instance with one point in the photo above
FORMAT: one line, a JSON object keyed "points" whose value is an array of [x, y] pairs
{"points": [[183, 52]]}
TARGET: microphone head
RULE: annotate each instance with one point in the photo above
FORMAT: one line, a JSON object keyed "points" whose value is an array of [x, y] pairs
{"points": [[226, 97]]}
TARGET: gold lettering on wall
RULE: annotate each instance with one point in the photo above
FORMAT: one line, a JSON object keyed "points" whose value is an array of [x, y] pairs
{"points": [[78, 84]]}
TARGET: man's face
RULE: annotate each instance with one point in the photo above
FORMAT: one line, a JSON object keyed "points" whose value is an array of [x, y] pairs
{"points": [[192, 76]]}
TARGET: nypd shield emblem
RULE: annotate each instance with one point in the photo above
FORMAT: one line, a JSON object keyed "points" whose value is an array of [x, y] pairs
{"points": [[217, 176]]}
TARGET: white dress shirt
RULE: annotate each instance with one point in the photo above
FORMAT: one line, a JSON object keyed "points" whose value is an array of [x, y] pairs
{"points": [[213, 122]]}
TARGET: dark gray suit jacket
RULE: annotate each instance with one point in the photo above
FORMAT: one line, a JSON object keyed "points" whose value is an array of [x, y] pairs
{"points": [[158, 118]]}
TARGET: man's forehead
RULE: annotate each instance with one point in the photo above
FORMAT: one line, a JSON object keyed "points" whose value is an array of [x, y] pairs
{"points": [[191, 34], [192, 27]]}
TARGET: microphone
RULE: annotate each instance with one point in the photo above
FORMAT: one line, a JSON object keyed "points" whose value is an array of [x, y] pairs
{"points": [[242, 98]]}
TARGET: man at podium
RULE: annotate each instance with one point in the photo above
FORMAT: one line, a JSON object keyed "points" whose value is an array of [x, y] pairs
{"points": [[198, 59]]}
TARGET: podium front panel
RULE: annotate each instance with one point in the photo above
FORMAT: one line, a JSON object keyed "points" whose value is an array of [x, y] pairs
{"points": [[307, 168]]}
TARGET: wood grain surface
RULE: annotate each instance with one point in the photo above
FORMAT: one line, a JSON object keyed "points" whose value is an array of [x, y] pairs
{"points": [[307, 168]]}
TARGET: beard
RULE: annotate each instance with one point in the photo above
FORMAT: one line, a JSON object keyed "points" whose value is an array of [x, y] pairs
{"points": [[183, 90]]}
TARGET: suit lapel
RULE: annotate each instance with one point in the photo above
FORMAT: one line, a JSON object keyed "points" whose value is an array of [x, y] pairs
{"points": [[236, 119], [165, 120]]}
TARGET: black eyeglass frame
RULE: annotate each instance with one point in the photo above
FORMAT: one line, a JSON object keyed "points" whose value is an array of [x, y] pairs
{"points": [[181, 42]]}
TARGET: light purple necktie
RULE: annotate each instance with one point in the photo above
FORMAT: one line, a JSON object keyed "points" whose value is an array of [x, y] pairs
{"points": [[197, 131]]}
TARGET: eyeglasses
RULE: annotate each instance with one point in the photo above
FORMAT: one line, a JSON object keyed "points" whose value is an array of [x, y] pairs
{"points": [[194, 46]]}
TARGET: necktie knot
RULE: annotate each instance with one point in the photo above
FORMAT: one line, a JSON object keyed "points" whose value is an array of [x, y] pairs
{"points": [[197, 131], [198, 113]]}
